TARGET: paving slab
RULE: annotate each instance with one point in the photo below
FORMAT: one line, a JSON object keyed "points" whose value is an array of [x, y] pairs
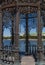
{"points": [[26, 60]]}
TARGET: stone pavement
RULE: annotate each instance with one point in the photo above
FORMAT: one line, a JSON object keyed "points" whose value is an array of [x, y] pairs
{"points": [[27, 60]]}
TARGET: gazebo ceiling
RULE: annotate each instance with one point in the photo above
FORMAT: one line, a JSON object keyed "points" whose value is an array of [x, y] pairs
{"points": [[25, 6], [42, 1]]}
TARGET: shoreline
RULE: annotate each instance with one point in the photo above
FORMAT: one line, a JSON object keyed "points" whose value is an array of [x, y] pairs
{"points": [[33, 39], [29, 39]]}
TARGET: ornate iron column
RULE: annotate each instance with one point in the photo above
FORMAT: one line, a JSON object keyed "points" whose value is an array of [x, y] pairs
{"points": [[0, 30], [16, 36], [12, 30], [40, 45], [27, 34]]}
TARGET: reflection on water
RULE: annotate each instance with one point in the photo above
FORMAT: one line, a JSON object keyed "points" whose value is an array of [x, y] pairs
{"points": [[22, 43]]}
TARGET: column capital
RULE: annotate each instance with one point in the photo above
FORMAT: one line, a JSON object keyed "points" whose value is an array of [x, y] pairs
{"points": [[0, 9], [17, 9], [39, 8], [39, 5]]}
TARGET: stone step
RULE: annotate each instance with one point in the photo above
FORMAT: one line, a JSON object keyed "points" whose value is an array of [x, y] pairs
{"points": [[26, 60]]}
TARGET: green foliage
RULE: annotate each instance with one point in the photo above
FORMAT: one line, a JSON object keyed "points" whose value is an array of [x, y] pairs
{"points": [[6, 37], [23, 37]]}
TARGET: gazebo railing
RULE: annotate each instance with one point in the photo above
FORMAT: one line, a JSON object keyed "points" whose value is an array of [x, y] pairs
{"points": [[7, 53]]}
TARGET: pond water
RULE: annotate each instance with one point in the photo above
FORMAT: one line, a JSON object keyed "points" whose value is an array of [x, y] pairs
{"points": [[22, 43]]}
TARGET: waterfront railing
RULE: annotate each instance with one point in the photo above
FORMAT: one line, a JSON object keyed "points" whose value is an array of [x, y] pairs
{"points": [[7, 52]]}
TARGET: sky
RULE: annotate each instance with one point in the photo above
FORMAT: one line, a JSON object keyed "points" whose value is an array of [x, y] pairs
{"points": [[7, 31], [32, 26]]}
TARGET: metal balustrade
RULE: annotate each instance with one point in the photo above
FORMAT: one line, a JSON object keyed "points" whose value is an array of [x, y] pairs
{"points": [[8, 52]]}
